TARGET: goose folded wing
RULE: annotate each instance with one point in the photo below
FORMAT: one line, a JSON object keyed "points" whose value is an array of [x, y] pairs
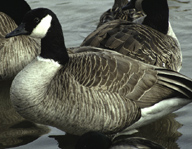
{"points": [[109, 71]]}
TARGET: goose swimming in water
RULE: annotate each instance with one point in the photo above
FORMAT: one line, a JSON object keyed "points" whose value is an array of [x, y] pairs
{"points": [[152, 41], [93, 89], [17, 52]]}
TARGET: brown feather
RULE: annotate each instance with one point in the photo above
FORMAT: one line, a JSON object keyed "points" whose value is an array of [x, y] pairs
{"points": [[137, 41], [16, 52]]}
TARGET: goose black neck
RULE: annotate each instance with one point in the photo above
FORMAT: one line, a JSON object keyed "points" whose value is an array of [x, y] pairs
{"points": [[119, 3], [53, 46], [157, 12], [16, 9]]}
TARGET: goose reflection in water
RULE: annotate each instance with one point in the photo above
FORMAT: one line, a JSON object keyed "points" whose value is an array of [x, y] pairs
{"points": [[15, 130], [162, 133], [95, 140]]}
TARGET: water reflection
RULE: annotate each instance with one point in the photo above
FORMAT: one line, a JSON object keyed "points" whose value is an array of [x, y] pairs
{"points": [[15, 130], [181, 1], [164, 132], [176, 4]]}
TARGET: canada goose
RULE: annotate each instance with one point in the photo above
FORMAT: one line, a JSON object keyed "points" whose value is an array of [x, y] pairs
{"points": [[96, 140], [17, 52], [93, 89], [116, 12], [152, 42]]}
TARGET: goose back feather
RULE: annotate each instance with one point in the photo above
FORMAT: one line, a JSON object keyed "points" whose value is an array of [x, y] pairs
{"points": [[137, 41]]}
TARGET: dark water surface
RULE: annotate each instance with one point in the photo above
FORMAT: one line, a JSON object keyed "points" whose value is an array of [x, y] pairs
{"points": [[78, 19]]}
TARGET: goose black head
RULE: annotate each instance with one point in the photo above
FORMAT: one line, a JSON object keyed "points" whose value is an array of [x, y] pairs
{"points": [[157, 13], [36, 23], [147, 6], [42, 23]]}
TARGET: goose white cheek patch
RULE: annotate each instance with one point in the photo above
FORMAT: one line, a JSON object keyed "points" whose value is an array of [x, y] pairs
{"points": [[42, 28]]}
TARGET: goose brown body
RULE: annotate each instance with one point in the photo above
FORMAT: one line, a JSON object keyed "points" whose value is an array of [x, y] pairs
{"points": [[98, 90], [139, 42], [92, 89], [17, 52]]}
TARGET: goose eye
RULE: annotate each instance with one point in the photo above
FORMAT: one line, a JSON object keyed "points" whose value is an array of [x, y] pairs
{"points": [[36, 20]]}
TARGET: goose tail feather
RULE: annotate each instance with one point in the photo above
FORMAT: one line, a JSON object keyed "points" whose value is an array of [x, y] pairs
{"points": [[176, 81]]}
